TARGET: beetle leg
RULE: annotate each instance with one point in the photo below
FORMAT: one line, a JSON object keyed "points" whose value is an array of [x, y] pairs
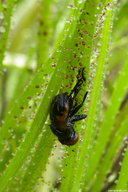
{"points": [[77, 88], [82, 73], [78, 117], [79, 106], [73, 107]]}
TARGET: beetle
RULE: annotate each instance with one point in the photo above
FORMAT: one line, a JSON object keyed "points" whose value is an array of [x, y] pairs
{"points": [[62, 113]]}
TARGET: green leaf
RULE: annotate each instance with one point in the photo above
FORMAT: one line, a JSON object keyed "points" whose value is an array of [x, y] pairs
{"points": [[112, 110], [5, 29], [85, 150], [123, 177], [106, 164]]}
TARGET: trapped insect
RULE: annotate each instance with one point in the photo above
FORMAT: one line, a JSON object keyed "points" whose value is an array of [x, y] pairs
{"points": [[62, 113]]}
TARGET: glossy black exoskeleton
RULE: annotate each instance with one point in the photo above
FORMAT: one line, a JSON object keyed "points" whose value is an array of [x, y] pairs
{"points": [[62, 113]]}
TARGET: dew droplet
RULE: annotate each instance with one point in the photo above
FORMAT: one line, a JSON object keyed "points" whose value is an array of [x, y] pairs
{"points": [[2, 29], [83, 43], [21, 107]]}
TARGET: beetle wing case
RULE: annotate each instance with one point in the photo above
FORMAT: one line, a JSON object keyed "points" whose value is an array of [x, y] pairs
{"points": [[58, 105], [59, 111]]}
